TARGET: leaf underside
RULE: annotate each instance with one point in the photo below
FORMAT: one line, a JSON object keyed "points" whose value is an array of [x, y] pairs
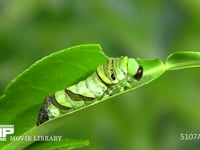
{"points": [[67, 144]]}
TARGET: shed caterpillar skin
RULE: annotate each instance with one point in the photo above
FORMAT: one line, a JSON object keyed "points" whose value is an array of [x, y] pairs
{"points": [[115, 75]]}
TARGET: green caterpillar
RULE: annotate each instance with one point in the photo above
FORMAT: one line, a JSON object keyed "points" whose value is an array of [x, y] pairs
{"points": [[115, 75]]}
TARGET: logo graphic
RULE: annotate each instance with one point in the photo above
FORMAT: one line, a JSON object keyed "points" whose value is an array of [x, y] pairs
{"points": [[5, 130]]}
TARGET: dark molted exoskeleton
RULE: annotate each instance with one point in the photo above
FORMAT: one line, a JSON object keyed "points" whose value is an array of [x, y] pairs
{"points": [[43, 114]]}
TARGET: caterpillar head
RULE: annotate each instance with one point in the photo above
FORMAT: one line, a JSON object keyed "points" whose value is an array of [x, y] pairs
{"points": [[134, 69]]}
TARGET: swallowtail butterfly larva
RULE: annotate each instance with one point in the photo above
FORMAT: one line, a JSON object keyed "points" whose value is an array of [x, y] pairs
{"points": [[115, 75]]}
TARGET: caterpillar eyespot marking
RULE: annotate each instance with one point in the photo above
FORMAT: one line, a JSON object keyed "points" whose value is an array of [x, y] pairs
{"points": [[115, 75]]}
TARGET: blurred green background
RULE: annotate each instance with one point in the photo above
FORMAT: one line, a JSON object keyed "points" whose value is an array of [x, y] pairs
{"points": [[149, 118]]}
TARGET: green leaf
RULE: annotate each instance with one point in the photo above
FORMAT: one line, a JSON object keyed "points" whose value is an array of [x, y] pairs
{"points": [[183, 59], [24, 95], [66, 144], [152, 70]]}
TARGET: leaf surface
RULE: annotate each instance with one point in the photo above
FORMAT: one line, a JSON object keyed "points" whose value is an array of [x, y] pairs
{"points": [[24, 96]]}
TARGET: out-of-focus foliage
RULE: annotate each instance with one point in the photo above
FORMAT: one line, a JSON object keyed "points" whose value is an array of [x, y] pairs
{"points": [[151, 117]]}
